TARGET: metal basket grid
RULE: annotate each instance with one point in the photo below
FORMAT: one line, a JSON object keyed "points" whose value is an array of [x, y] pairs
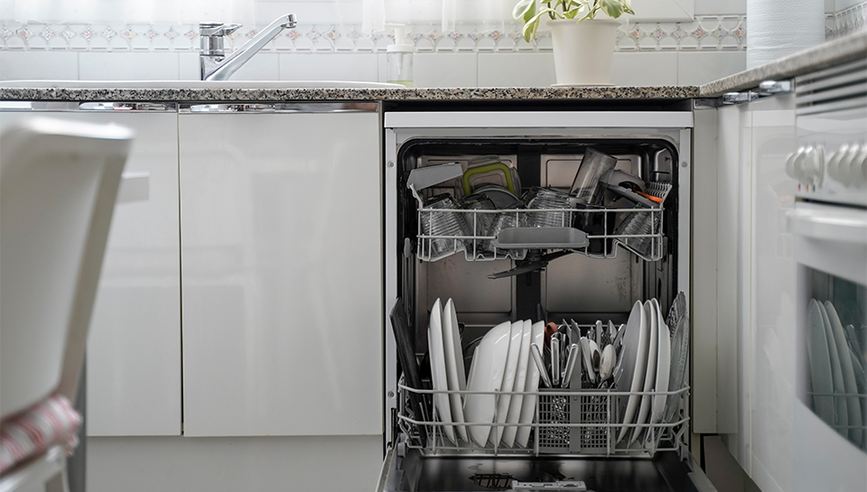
{"points": [[567, 422], [644, 238]]}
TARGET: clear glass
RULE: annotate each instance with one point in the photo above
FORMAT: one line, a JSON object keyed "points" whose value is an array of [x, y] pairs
{"points": [[594, 165], [400, 68]]}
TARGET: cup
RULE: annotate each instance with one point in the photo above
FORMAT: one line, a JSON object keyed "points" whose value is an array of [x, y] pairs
{"points": [[440, 217], [479, 224], [585, 187], [547, 198]]}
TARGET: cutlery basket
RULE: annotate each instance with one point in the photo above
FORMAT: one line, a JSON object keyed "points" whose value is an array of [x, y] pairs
{"points": [[589, 415]]}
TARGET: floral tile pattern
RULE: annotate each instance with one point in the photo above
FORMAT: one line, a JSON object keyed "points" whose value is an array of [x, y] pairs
{"points": [[705, 33], [468, 37]]}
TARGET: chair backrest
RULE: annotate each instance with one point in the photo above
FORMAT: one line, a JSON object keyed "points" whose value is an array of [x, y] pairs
{"points": [[58, 185]]}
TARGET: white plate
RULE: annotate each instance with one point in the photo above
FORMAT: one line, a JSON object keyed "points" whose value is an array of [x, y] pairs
{"points": [[650, 372], [820, 364], [486, 372], [531, 385], [852, 403], [634, 361], [438, 369], [840, 406], [509, 377], [515, 406], [663, 365], [457, 377]]}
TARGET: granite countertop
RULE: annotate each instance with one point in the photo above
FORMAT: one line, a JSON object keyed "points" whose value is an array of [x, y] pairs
{"points": [[846, 49], [843, 50], [354, 94]]}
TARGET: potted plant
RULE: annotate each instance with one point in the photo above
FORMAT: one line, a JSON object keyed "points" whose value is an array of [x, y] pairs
{"points": [[583, 44]]}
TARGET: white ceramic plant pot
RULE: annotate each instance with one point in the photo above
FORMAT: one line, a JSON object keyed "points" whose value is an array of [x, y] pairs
{"points": [[583, 52]]}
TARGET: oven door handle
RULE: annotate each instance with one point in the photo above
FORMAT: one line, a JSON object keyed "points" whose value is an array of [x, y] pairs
{"points": [[835, 224]]}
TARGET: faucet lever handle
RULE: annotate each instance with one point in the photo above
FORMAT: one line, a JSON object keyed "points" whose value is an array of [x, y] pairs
{"points": [[217, 29]]}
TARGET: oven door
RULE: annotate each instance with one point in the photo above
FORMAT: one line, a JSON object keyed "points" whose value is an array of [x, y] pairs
{"points": [[830, 408]]}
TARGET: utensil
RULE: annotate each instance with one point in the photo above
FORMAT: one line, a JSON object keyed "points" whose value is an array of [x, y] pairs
{"points": [[555, 360], [588, 359], [570, 364], [540, 364], [598, 333], [606, 366]]}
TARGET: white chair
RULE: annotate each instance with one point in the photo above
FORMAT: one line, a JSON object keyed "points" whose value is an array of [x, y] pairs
{"points": [[58, 185]]}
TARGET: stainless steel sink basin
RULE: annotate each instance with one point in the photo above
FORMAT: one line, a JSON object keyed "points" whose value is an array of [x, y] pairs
{"points": [[196, 84]]}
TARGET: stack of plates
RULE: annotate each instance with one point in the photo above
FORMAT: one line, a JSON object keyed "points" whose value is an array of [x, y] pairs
{"points": [[501, 363], [646, 361], [836, 369]]}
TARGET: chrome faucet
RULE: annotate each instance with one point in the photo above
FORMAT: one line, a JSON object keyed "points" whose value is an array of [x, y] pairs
{"points": [[214, 64]]}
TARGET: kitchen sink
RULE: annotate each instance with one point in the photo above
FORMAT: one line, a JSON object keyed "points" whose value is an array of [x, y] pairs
{"points": [[197, 84]]}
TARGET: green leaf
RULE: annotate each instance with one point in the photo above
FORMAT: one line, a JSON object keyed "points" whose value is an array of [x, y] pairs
{"points": [[530, 26], [523, 8], [612, 8]]}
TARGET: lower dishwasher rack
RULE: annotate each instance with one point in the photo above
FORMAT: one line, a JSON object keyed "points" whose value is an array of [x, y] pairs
{"points": [[566, 422]]}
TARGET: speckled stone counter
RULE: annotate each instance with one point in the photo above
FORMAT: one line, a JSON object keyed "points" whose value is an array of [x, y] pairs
{"points": [[240, 95], [846, 49]]}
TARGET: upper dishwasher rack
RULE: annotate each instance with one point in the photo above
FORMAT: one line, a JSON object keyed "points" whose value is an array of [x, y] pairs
{"points": [[487, 235]]}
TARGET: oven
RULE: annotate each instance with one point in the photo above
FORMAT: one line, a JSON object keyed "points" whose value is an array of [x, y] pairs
{"points": [[829, 225]]}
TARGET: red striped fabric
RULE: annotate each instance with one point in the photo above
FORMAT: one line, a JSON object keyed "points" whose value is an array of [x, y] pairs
{"points": [[51, 421]]}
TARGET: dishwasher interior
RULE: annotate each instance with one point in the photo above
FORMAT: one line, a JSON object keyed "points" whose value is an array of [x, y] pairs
{"points": [[541, 276]]}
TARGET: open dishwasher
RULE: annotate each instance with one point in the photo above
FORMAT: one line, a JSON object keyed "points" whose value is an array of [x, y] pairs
{"points": [[491, 215]]}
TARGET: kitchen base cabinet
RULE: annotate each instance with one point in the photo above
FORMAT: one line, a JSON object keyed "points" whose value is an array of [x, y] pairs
{"points": [[182, 464], [282, 273], [134, 345]]}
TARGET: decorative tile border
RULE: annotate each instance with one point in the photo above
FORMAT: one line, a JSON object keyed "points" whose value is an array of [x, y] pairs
{"points": [[712, 33], [850, 20]]}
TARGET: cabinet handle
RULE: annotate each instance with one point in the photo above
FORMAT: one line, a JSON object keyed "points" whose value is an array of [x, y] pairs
{"points": [[126, 106]]}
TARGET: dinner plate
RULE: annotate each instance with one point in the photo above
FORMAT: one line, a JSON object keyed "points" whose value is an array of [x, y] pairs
{"points": [[531, 385], [517, 401], [679, 362], [820, 364], [849, 382], [438, 370], [517, 331], [486, 371], [663, 365], [840, 405], [457, 376], [650, 372], [634, 363]]}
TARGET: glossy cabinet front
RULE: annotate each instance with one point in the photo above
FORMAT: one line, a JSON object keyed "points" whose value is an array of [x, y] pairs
{"points": [[134, 345], [282, 274]]}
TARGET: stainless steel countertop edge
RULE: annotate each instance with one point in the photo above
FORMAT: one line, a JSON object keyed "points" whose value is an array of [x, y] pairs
{"points": [[835, 52]]}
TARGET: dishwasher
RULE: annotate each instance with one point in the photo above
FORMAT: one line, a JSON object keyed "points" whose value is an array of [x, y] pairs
{"points": [[476, 219]]}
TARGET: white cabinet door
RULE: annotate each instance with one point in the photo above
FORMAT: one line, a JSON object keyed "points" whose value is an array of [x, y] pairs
{"points": [[134, 346], [282, 277]]}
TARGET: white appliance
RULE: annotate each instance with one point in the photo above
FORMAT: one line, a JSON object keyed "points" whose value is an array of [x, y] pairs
{"points": [[601, 281], [829, 224]]}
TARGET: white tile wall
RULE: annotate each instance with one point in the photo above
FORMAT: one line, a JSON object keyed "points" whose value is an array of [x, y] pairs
{"points": [[516, 69], [716, 7], [702, 67], [329, 66], [128, 66], [659, 68], [38, 65], [445, 69]]}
